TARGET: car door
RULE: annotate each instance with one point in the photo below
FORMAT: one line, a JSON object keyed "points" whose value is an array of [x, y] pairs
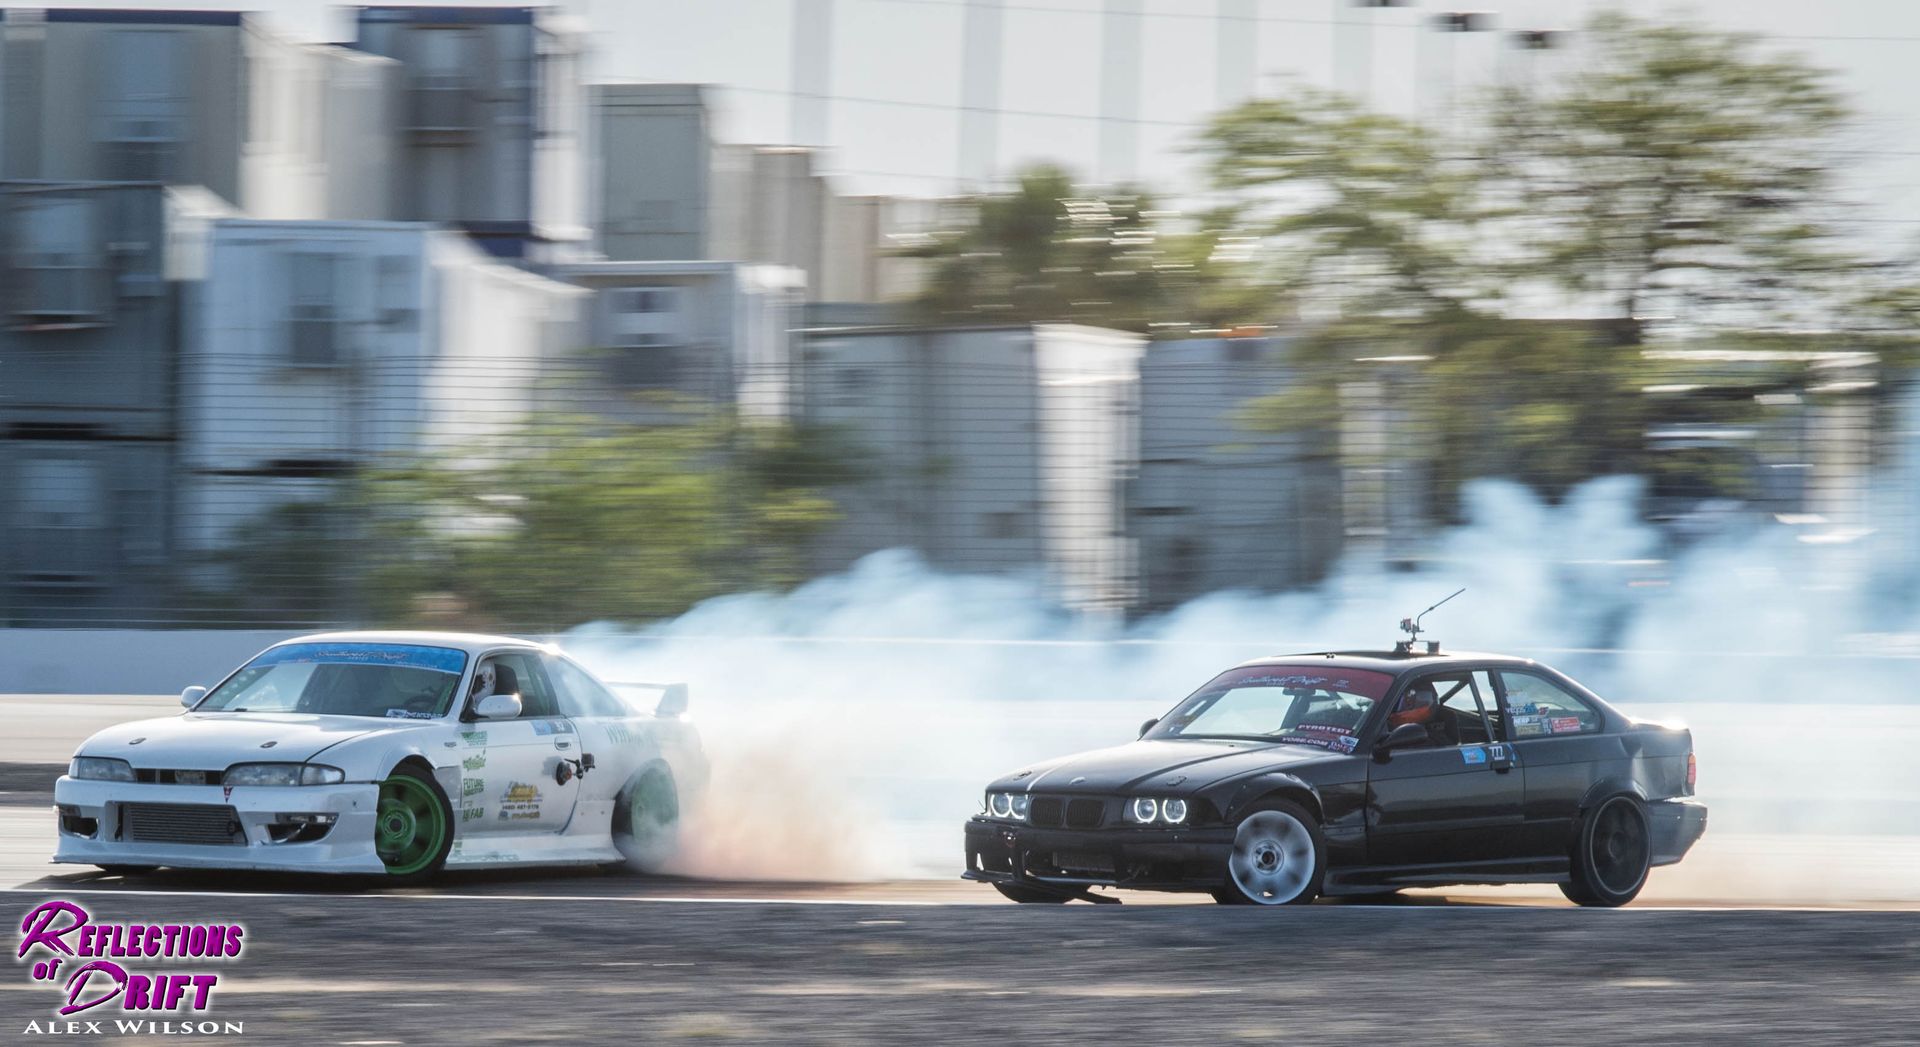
{"points": [[1558, 736], [608, 728], [511, 782], [1455, 801]]}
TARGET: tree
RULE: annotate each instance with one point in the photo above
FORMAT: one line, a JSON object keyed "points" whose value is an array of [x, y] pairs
{"points": [[577, 519], [1683, 171], [1050, 252]]}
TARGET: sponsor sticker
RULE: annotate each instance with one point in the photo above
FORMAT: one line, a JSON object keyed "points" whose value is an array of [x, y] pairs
{"points": [[472, 786], [1564, 725], [520, 802], [407, 714], [1473, 756], [474, 762], [552, 727], [474, 739]]}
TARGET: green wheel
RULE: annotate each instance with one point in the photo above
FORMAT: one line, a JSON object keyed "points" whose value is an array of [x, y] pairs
{"points": [[412, 826]]}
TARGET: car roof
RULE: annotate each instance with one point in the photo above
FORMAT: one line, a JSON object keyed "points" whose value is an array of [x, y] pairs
{"points": [[1394, 663], [471, 643]]}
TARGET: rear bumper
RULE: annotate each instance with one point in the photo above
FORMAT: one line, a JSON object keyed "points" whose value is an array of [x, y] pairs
{"points": [[1143, 859], [346, 848], [1677, 825]]}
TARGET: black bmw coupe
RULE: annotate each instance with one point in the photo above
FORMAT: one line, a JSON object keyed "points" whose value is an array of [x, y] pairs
{"points": [[1353, 773]]}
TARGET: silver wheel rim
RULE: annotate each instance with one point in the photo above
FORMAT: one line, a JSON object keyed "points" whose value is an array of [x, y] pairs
{"points": [[1272, 858]]}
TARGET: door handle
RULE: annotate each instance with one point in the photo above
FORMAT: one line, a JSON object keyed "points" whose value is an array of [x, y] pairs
{"points": [[558, 744]]}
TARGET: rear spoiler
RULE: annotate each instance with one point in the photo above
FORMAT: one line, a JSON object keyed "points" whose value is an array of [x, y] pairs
{"points": [[673, 696]]}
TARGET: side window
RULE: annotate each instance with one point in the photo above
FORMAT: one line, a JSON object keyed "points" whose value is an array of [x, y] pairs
{"points": [[580, 694], [1541, 707], [1467, 711], [519, 673]]}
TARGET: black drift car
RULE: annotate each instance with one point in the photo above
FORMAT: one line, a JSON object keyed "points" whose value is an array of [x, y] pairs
{"points": [[1354, 774]]}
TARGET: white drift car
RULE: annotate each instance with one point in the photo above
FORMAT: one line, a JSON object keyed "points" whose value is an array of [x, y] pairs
{"points": [[390, 753]]}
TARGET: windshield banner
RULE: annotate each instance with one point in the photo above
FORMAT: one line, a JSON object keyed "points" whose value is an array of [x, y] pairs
{"points": [[439, 659]]}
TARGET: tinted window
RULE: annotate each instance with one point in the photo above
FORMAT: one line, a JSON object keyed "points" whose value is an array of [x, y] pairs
{"points": [[1541, 707], [1468, 709], [580, 694]]}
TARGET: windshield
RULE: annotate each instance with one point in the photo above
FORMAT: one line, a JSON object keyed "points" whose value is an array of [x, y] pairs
{"points": [[1296, 704], [344, 679]]}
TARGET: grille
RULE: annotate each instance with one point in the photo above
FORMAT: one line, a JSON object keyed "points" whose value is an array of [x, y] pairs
{"points": [[1083, 862], [1051, 812], [1046, 811], [1085, 814], [171, 776], [180, 823]]}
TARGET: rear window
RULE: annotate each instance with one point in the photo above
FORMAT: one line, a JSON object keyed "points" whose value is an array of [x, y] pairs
{"points": [[1293, 704]]}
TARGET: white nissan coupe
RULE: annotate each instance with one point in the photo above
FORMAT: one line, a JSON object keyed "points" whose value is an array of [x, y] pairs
{"points": [[390, 753]]}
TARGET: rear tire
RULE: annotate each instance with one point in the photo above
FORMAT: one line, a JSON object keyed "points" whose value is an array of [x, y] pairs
{"points": [[1279, 857], [1030, 895], [1612, 853], [646, 825]]}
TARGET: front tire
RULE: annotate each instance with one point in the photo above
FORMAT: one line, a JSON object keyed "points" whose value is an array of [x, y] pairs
{"points": [[1030, 895], [1612, 853], [413, 826], [1279, 857]]}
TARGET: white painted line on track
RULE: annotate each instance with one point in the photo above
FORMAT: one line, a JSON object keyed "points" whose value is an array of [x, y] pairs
{"points": [[670, 899]]}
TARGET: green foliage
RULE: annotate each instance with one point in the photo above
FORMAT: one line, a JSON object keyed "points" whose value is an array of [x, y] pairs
{"points": [[576, 519], [1048, 252], [1679, 171]]}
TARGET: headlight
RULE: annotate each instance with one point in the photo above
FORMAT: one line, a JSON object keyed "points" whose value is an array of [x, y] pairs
{"points": [[100, 769], [1145, 810], [283, 774], [1009, 805]]}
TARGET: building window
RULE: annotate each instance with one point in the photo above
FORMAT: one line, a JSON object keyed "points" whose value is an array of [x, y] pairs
{"points": [[313, 327], [61, 509], [145, 105], [441, 97], [58, 274], [396, 288], [643, 299]]}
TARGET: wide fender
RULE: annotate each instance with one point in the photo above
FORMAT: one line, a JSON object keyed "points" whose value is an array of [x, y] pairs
{"points": [[1251, 791], [1613, 785], [382, 755]]}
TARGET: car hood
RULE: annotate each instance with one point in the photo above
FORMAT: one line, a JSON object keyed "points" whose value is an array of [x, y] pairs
{"points": [[214, 741], [1196, 764]]}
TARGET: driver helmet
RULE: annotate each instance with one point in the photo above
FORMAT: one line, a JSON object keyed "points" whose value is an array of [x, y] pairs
{"points": [[482, 681], [1416, 706]]}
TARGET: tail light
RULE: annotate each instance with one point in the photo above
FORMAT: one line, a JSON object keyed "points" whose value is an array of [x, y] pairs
{"points": [[1693, 771]]}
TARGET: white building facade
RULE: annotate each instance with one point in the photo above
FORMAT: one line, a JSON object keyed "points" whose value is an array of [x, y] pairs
{"points": [[316, 349]]}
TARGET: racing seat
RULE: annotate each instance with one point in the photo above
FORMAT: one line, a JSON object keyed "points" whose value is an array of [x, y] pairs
{"points": [[504, 679]]}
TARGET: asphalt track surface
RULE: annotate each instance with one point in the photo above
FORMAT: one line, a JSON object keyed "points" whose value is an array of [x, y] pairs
{"points": [[592, 957]]}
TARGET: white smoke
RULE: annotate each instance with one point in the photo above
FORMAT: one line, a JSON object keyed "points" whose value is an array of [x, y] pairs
{"points": [[853, 721]]}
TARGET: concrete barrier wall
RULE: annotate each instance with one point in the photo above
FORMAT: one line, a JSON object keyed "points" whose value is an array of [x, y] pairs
{"points": [[124, 661]]}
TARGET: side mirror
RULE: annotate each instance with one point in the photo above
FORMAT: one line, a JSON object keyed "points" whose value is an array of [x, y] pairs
{"points": [[192, 695], [1405, 736], [1148, 726], [498, 707]]}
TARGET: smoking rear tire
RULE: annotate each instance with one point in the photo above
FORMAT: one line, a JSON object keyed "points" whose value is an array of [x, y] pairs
{"points": [[1029, 895], [646, 824], [1279, 857], [1612, 853]]}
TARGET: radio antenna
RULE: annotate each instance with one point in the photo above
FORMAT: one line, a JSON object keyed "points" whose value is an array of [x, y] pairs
{"points": [[1411, 626]]}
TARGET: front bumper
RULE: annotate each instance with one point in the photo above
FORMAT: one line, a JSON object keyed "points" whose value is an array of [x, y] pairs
{"points": [[346, 848], [1179, 859], [1677, 825]]}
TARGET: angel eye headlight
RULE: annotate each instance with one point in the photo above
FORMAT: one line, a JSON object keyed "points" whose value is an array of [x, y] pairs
{"points": [[1173, 812], [1000, 805], [1143, 808]]}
